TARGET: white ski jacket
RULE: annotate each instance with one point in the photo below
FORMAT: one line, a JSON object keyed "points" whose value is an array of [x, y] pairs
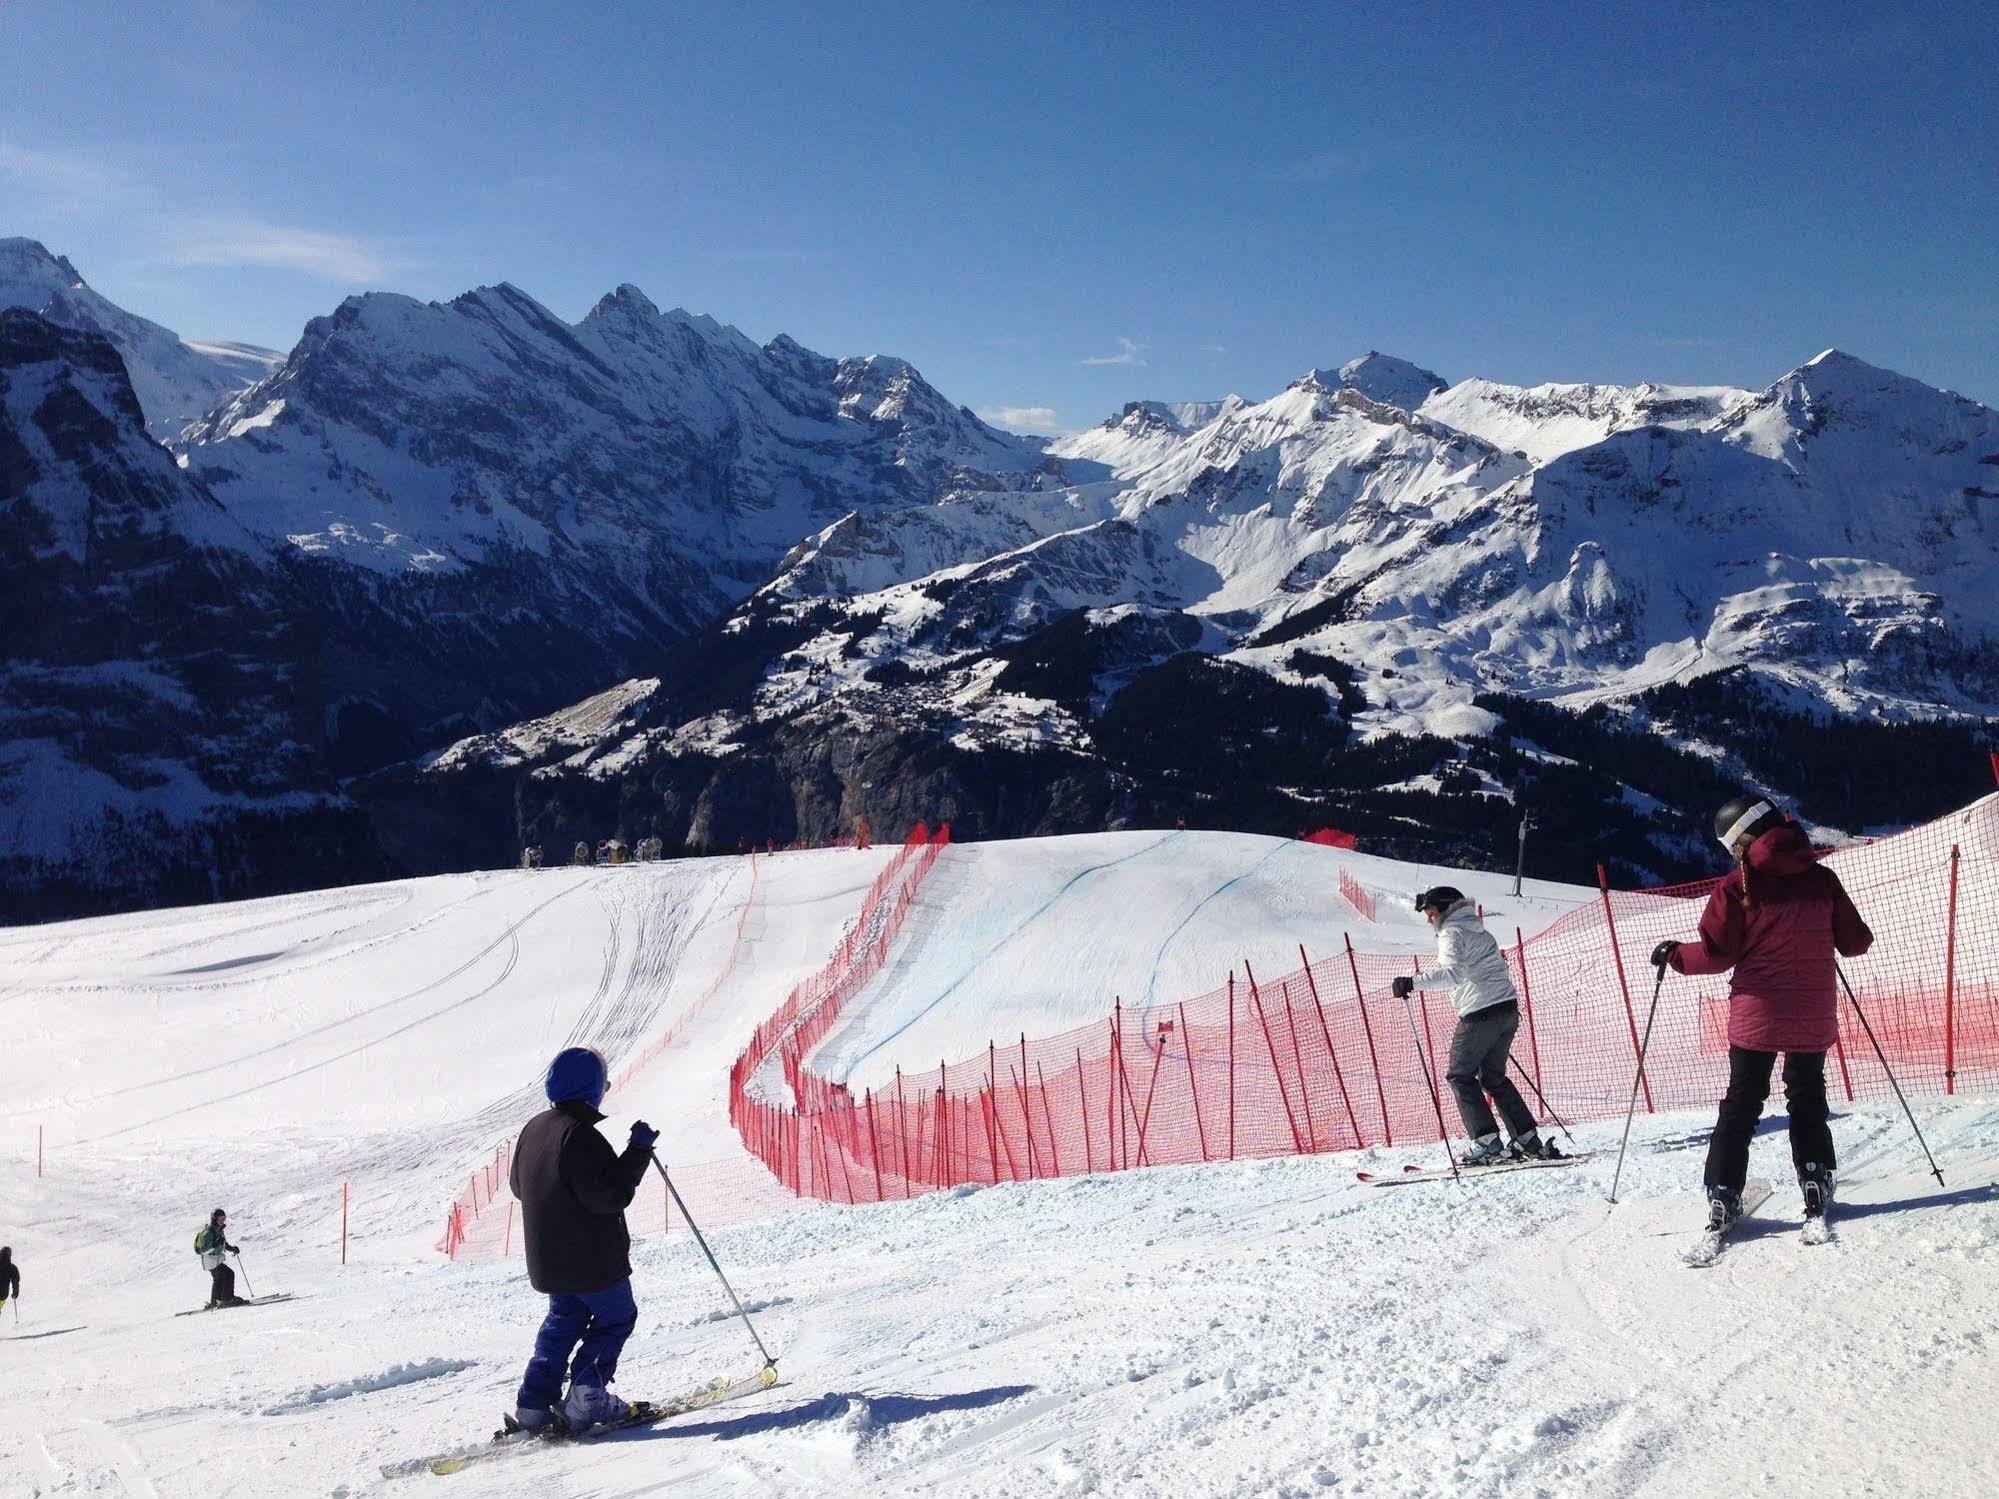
{"points": [[1469, 963]]}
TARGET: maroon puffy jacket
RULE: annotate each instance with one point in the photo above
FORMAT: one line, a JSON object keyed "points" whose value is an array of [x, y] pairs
{"points": [[1783, 992]]}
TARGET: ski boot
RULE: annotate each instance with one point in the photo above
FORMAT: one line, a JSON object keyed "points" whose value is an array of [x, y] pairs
{"points": [[1531, 1147], [1486, 1150], [591, 1405], [533, 1419], [1816, 1183], [1724, 1206]]}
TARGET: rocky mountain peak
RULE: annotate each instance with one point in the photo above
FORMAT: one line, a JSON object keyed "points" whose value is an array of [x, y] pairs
{"points": [[626, 301], [1388, 380]]}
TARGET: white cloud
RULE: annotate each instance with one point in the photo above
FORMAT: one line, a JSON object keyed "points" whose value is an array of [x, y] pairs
{"points": [[66, 187], [1037, 420], [1128, 353], [253, 242]]}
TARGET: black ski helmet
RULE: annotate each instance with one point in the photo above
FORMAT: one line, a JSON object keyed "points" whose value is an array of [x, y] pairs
{"points": [[1745, 816], [218, 1213], [1439, 897]]}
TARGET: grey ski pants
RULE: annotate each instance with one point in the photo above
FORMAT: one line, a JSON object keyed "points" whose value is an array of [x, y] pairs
{"points": [[1479, 1049]]}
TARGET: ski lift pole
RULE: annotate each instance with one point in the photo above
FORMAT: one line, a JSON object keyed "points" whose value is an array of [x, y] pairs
{"points": [[1855, 1001], [660, 1166]]}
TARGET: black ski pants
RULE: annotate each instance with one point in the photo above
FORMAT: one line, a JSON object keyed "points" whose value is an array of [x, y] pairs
{"points": [[221, 1283], [1479, 1049], [1742, 1106]]}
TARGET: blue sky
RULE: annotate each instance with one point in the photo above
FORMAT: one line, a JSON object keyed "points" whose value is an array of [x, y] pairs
{"points": [[1052, 209]]}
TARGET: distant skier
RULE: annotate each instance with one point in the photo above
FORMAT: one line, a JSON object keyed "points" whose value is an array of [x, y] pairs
{"points": [[1470, 964], [573, 1191], [1774, 925], [212, 1244], [10, 1277]]}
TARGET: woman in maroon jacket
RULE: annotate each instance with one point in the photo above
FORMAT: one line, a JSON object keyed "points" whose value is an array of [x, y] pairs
{"points": [[1774, 925]]}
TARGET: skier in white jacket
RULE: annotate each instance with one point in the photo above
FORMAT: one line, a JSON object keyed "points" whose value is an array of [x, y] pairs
{"points": [[1471, 966]]}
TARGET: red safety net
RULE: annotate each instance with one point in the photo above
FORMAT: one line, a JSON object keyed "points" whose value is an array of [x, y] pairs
{"points": [[1357, 895], [1324, 1058], [1332, 838]]}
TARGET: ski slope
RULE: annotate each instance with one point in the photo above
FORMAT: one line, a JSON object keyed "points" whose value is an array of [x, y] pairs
{"points": [[1271, 1327]]}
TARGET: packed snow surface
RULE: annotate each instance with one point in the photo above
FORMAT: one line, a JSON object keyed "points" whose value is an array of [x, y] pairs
{"points": [[1257, 1328]]}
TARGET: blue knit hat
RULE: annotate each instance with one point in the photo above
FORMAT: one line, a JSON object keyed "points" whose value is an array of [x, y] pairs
{"points": [[577, 1075]]}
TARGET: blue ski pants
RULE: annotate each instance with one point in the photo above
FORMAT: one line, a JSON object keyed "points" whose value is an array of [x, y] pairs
{"points": [[599, 1321]]}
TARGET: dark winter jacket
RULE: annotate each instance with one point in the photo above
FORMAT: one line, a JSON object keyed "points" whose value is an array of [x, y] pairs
{"points": [[1779, 944], [573, 1191], [10, 1275]]}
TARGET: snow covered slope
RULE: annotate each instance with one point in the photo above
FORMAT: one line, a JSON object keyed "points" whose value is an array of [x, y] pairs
{"points": [[176, 380], [1221, 1330]]}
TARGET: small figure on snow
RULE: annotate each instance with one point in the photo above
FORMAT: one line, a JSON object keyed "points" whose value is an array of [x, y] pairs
{"points": [[212, 1244], [1773, 925], [1471, 966], [10, 1278], [573, 1191]]}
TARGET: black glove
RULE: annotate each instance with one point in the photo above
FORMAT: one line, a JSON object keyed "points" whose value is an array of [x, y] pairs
{"points": [[232, 1249], [643, 1135], [1662, 955], [1404, 986]]}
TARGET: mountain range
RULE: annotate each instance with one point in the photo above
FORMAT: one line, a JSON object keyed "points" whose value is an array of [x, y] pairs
{"points": [[489, 577]]}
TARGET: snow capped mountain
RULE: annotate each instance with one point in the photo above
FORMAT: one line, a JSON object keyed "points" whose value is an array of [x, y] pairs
{"points": [[176, 381], [778, 586], [1389, 381], [1831, 535], [157, 704], [1546, 421]]}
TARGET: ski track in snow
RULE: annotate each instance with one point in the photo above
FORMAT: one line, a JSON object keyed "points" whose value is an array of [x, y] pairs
{"points": [[1152, 977], [369, 1384], [1014, 933], [1247, 1329]]}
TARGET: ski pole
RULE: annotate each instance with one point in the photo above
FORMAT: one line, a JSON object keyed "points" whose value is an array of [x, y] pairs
{"points": [[1436, 1099], [1637, 1078], [246, 1272], [1548, 1107], [660, 1166], [1855, 1001]]}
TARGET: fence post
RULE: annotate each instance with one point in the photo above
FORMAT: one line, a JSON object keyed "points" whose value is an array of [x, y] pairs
{"points": [[1950, 983], [1312, 986], [1231, 1064], [1083, 1098], [1151, 1088], [1617, 956], [875, 1144], [902, 1132], [1527, 1002], [1027, 1114], [343, 1221], [1193, 1085], [1054, 1150], [1298, 1059], [506, 1244], [1373, 1059], [1283, 1093], [1113, 1105]]}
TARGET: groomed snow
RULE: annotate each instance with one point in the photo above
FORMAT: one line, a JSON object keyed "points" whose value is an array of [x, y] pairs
{"points": [[1267, 1328]]}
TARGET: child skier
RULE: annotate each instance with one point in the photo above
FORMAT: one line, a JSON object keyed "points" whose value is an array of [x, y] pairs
{"points": [[212, 1244], [573, 1191], [1774, 925], [10, 1278], [1471, 966]]}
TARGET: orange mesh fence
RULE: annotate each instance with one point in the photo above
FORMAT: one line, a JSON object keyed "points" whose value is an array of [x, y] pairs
{"points": [[1324, 1057], [1357, 895]]}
